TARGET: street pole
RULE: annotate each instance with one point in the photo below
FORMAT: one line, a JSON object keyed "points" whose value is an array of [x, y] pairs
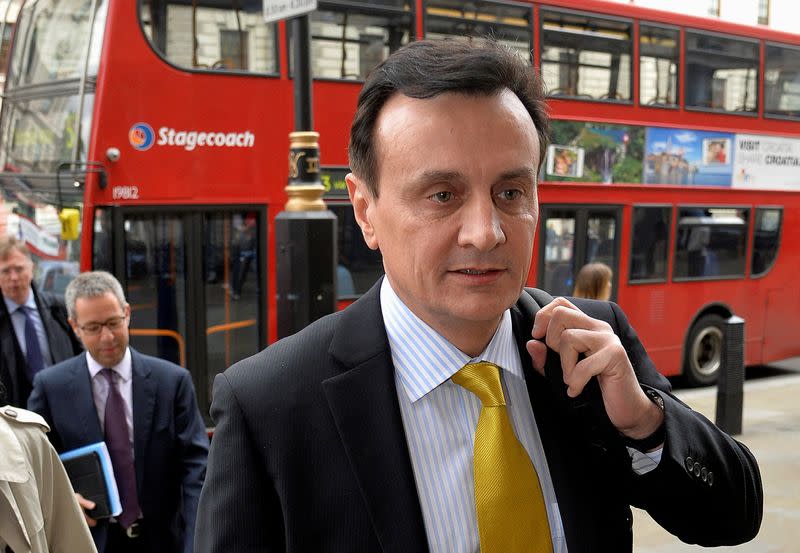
{"points": [[305, 232]]}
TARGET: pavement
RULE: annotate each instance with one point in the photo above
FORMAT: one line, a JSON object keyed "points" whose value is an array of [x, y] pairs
{"points": [[771, 429]]}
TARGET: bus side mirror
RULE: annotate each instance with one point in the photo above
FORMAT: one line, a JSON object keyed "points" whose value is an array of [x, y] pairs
{"points": [[70, 223]]}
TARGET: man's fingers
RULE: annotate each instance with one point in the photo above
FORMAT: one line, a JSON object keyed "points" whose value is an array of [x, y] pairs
{"points": [[86, 505], [583, 372], [545, 314], [538, 353]]}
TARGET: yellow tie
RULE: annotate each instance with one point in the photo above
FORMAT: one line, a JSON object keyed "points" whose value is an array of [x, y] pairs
{"points": [[508, 498]]}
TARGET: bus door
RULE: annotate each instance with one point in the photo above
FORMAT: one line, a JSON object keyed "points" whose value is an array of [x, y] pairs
{"points": [[572, 236], [194, 278]]}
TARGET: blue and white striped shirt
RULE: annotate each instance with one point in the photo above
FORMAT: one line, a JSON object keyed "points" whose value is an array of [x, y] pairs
{"points": [[440, 419]]}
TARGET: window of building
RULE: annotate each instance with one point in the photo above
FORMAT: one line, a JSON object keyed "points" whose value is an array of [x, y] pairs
{"points": [[710, 243], [721, 73], [649, 240], [782, 81], [5, 43], [766, 238], [586, 56], [509, 24], [348, 39], [658, 65], [763, 12], [218, 36]]}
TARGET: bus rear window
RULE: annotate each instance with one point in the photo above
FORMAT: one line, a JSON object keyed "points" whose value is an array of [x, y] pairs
{"points": [[721, 73], [766, 238], [710, 243], [226, 35], [586, 56], [509, 23], [782, 81]]}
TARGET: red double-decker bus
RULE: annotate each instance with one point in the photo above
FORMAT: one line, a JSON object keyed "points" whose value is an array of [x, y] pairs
{"points": [[165, 124]]}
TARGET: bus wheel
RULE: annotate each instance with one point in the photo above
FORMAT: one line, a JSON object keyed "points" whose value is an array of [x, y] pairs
{"points": [[704, 351]]}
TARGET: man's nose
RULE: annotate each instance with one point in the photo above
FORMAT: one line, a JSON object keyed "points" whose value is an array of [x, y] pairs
{"points": [[481, 225]]}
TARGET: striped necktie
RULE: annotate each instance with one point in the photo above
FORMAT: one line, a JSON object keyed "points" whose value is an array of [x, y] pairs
{"points": [[508, 498]]}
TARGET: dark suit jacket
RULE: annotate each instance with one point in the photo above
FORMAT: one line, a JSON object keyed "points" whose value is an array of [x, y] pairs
{"points": [[309, 452], [170, 441], [63, 345]]}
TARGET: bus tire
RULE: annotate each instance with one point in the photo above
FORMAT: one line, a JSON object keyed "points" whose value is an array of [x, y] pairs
{"points": [[703, 357]]}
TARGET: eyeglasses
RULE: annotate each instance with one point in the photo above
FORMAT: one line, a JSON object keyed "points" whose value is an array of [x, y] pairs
{"points": [[113, 324]]}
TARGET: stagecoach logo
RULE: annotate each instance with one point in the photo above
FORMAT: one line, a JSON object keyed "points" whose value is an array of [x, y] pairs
{"points": [[141, 136]]}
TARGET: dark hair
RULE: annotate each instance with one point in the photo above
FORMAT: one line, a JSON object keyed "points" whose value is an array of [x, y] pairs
{"points": [[427, 68], [592, 280]]}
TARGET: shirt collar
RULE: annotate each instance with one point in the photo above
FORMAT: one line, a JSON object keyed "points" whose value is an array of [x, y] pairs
{"points": [[424, 359], [124, 368], [12, 306]]}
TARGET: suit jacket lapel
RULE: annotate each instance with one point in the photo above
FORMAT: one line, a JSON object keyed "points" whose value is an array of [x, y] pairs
{"points": [[554, 431], [144, 400], [80, 388], [364, 405]]}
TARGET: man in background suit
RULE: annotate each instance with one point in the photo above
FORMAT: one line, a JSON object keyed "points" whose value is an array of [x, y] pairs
{"points": [[34, 332], [366, 430], [144, 409]]}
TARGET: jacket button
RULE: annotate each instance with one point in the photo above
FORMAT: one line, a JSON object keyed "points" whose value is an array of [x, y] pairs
{"points": [[689, 464], [696, 468], [704, 474], [710, 481], [11, 413]]}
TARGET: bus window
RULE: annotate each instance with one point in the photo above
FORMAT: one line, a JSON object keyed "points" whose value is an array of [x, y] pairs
{"points": [[710, 243], [766, 237], [51, 41], [559, 253], [721, 73], [649, 238], [586, 56], [509, 23], [45, 126], [782, 81], [222, 35], [348, 39], [358, 266], [658, 66], [102, 246]]}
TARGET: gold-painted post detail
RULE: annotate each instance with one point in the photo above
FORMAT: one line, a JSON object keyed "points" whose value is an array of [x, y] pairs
{"points": [[304, 188]]}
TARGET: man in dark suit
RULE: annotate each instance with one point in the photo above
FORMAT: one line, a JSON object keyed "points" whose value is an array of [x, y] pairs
{"points": [[28, 317], [377, 428], [145, 410]]}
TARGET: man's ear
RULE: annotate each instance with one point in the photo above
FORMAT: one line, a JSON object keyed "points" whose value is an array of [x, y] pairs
{"points": [[363, 202], [75, 328]]}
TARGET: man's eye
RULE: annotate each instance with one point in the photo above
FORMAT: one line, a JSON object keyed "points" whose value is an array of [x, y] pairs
{"points": [[511, 194], [442, 197]]}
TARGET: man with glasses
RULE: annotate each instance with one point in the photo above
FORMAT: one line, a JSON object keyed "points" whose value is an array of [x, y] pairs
{"points": [[34, 332], [145, 410]]}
